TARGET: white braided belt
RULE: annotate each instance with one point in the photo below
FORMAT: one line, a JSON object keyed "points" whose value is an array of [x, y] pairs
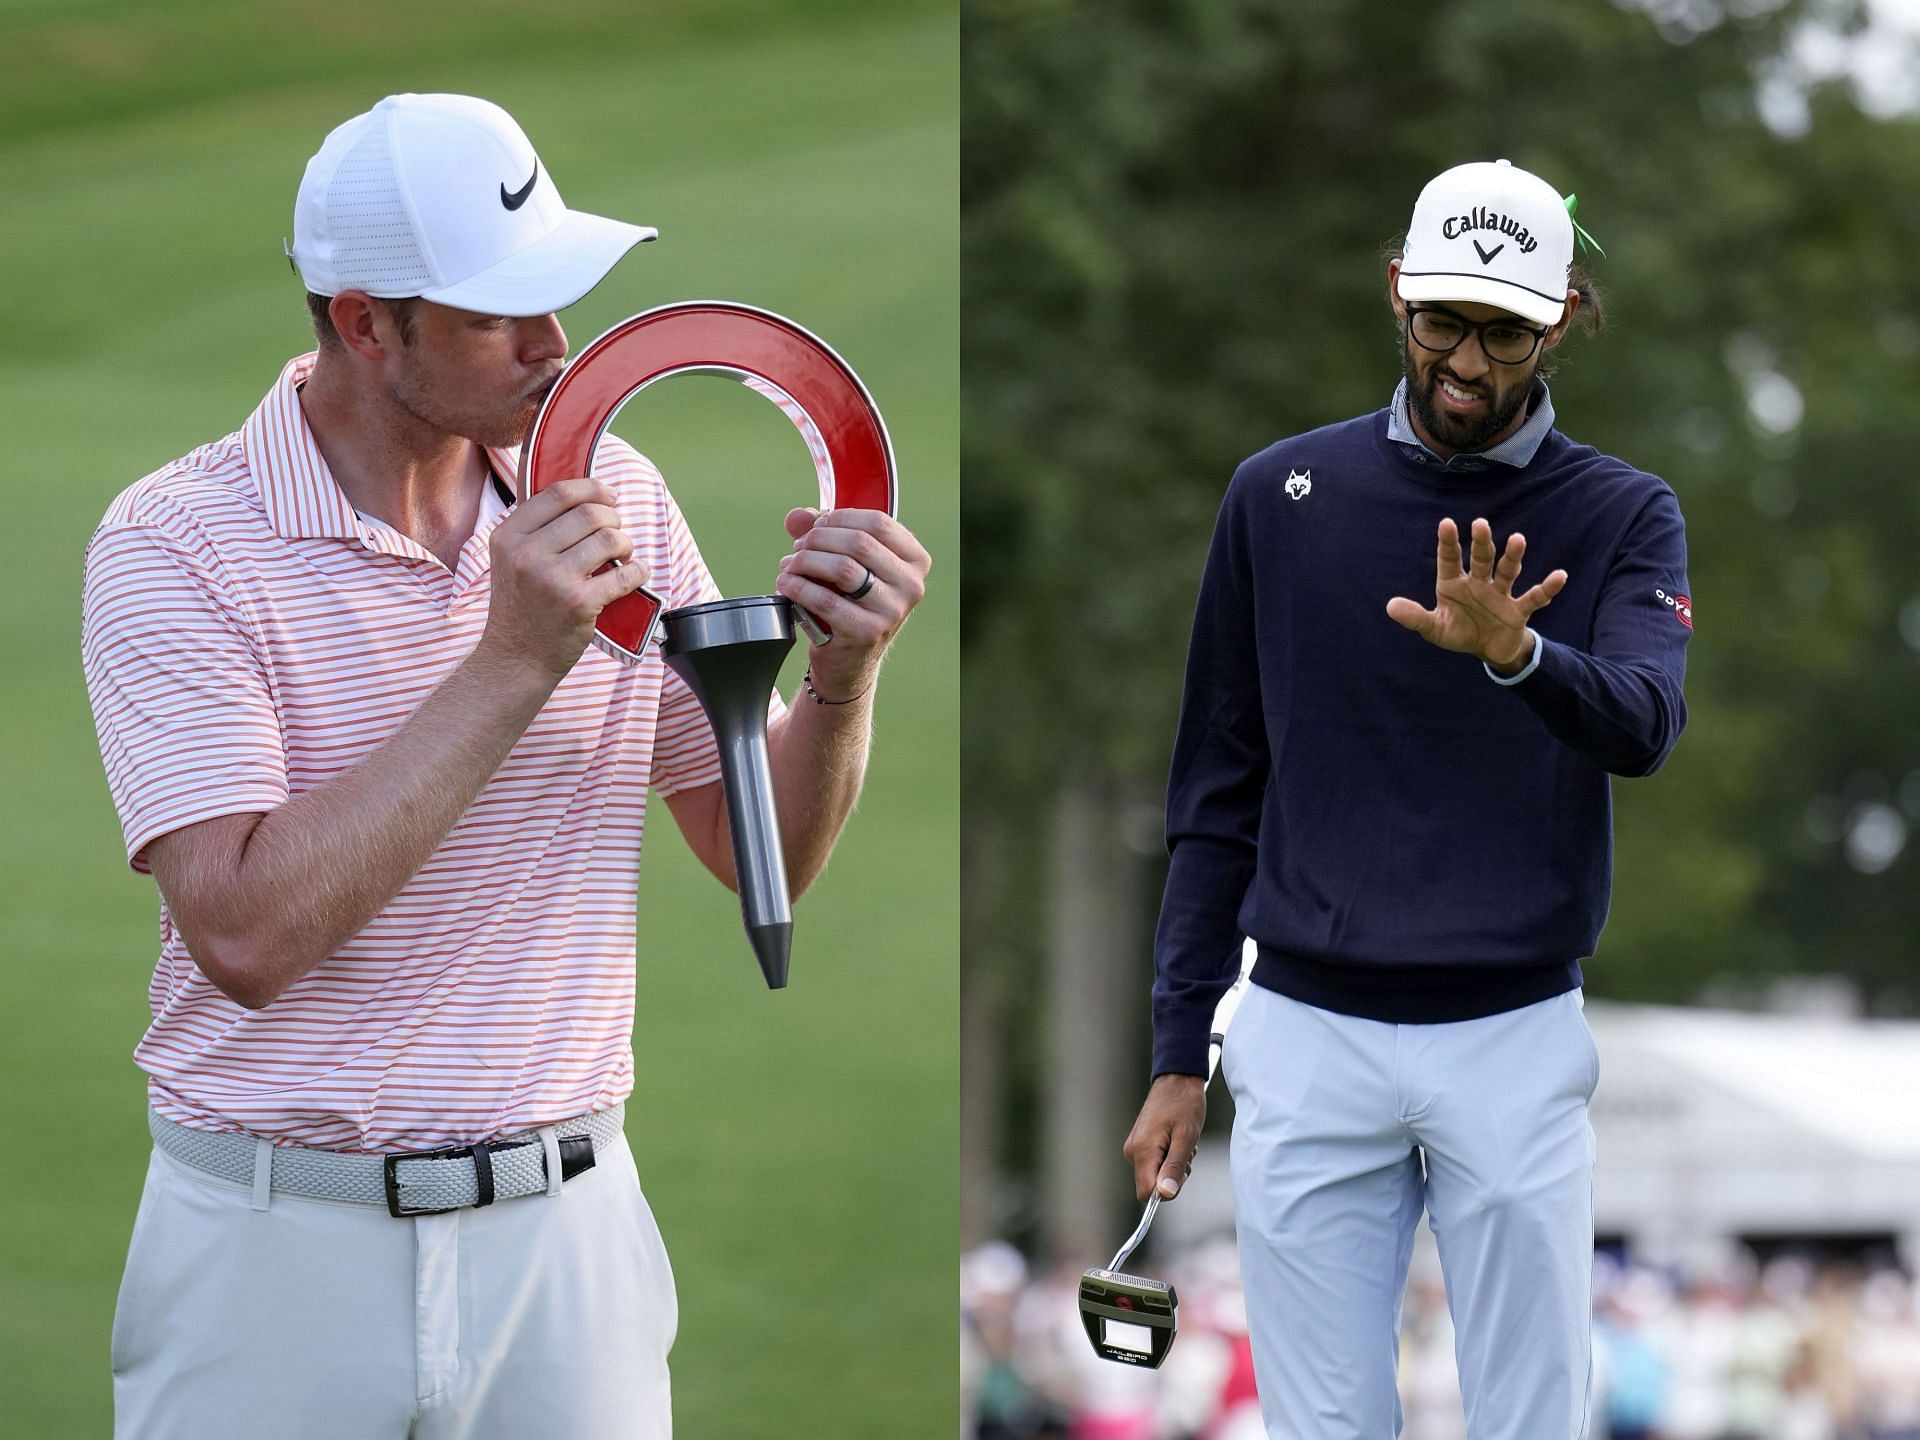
{"points": [[420, 1183]]}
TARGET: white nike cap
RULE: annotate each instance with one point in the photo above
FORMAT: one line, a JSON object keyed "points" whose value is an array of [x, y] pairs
{"points": [[442, 196], [1492, 233]]}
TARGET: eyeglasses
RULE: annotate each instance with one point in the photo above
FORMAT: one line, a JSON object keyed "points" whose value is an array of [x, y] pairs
{"points": [[1505, 341]]}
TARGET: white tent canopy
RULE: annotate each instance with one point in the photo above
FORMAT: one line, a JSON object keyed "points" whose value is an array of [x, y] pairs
{"points": [[1715, 1123]]}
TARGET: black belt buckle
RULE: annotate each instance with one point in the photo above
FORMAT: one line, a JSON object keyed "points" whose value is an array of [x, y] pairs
{"points": [[576, 1155], [401, 1212]]}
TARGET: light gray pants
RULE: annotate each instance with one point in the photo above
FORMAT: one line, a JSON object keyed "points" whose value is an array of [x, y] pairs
{"points": [[1333, 1115], [318, 1319]]}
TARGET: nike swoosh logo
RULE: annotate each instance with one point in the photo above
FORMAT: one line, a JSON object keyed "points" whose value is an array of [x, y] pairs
{"points": [[519, 197], [1486, 256]]}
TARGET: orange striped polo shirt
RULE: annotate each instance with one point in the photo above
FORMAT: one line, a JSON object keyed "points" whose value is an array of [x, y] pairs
{"points": [[246, 637]]}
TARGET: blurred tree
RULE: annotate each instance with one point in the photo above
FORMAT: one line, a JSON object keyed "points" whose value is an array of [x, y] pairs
{"points": [[1173, 220]]}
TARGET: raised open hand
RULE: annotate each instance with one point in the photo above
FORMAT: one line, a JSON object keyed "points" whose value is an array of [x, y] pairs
{"points": [[1474, 608]]}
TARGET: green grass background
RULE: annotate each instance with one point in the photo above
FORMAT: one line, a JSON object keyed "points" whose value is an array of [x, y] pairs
{"points": [[799, 1148]]}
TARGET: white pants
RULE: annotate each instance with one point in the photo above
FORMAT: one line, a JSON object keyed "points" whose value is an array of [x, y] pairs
{"points": [[538, 1316], [1344, 1130]]}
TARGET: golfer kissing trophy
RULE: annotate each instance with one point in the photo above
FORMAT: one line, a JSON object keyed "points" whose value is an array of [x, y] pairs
{"points": [[729, 652]]}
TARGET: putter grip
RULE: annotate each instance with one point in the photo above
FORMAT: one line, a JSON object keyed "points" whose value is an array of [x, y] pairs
{"points": [[1223, 1014]]}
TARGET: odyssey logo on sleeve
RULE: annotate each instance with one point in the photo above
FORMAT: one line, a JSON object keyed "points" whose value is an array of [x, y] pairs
{"points": [[1681, 606]]}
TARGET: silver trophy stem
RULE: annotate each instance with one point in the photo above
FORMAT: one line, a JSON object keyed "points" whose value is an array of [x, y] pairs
{"points": [[729, 652]]}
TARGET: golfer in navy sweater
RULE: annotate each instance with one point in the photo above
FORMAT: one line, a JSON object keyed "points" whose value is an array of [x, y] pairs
{"points": [[1396, 782]]}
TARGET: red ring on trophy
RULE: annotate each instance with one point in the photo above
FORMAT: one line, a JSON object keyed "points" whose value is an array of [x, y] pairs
{"points": [[853, 456]]}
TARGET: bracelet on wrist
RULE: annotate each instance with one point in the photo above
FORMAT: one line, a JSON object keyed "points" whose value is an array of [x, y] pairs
{"points": [[819, 699]]}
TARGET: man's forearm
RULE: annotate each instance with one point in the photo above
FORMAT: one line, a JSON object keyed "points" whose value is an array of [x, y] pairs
{"points": [[315, 871], [1624, 715], [1196, 945], [1618, 701], [819, 755]]}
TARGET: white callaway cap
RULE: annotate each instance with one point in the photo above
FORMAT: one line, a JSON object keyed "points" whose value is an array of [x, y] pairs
{"points": [[1491, 233], [441, 196]]}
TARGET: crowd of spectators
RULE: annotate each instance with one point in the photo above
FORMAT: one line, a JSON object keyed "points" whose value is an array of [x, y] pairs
{"points": [[1792, 1349]]}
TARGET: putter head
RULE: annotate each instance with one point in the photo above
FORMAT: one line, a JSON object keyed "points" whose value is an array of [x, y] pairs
{"points": [[1130, 1319]]}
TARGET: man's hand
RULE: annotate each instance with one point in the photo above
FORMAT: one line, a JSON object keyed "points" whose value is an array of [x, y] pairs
{"points": [[1474, 609], [1166, 1135], [548, 588], [832, 555]]}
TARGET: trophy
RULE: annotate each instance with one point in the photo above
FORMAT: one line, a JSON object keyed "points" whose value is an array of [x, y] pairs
{"points": [[728, 652]]}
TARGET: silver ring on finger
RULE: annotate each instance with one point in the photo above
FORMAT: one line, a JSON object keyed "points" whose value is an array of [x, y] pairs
{"points": [[865, 586]]}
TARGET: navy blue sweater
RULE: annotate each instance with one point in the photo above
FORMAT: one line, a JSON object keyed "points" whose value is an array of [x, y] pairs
{"points": [[1406, 839]]}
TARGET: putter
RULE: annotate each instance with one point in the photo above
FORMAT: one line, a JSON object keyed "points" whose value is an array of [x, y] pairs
{"points": [[1131, 1319]]}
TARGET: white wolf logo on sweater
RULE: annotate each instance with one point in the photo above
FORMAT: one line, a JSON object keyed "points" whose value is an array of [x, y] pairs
{"points": [[1298, 483]]}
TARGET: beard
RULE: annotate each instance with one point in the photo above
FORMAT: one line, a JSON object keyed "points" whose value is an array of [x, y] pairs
{"points": [[1461, 432], [416, 392]]}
